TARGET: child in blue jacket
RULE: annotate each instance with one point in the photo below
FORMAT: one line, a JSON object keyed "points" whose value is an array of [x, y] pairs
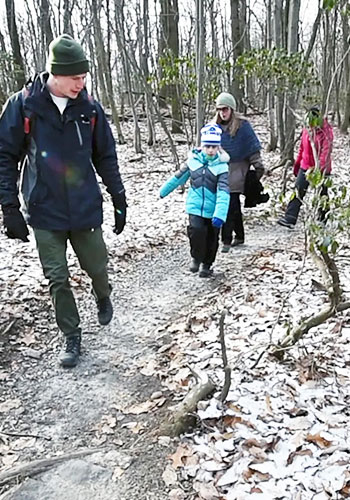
{"points": [[208, 197]]}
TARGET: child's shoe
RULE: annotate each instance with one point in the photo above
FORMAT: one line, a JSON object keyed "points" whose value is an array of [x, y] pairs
{"points": [[237, 241], [205, 271], [194, 266], [225, 248]]}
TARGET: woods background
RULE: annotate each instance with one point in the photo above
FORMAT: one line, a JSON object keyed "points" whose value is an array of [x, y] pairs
{"points": [[150, 55]]}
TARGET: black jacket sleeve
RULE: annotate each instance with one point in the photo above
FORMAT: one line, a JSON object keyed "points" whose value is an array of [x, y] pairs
{"points": [[12, 148], [104, 156]]}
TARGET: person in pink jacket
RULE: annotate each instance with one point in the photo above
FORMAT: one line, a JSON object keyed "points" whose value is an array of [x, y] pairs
{"points": [[318, 135]]}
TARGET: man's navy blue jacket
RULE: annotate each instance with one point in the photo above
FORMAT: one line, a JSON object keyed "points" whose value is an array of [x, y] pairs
{"points": [[62, 152]]}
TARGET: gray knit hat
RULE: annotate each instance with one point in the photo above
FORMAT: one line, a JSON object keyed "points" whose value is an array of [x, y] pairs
{"points": [[226, 100], [66, 57]]}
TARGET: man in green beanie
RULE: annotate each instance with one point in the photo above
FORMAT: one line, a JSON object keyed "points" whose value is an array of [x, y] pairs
{"points": [[65, 138]]}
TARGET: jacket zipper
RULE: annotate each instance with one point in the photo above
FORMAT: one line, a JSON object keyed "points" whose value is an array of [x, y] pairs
{"points": [[79, 133], [203, 175]]}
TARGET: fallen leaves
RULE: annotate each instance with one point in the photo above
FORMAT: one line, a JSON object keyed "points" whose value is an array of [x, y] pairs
{"points": [[10, 404], [179, 458], [283, 427], [145, 407], [169, 476], [299, 453], [319, 440]]}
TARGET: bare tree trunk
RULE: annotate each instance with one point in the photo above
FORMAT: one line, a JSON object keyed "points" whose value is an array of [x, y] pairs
{"points": [[293, 43], [237, 49], [169, 44], [45, 25], [155, 106], [4, 71], [104, 70], [248, 81], [327, 62], [271, 90], [213, 28], [200, 54], [145, 70], [313, 34], [16, 51], [346, 74], [120, 35], [278, 41], [108, 79], [93, 68], [100, 51], [67, 16], [33, 40]]}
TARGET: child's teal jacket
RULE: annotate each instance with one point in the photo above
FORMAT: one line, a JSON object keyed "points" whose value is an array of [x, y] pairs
{"points": [[209, 194]]}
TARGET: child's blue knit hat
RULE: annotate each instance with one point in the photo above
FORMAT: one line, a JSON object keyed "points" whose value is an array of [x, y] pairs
{"points": [[211, 135]]}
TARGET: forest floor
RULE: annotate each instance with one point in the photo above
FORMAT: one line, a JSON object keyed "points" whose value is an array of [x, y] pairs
{"points": [[94, 430]]}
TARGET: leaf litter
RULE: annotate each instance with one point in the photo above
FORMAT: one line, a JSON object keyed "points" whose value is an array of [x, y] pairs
{"points": [[283, 430]]}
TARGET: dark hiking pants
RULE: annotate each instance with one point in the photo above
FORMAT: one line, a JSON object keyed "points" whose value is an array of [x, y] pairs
{"points": [[91, 251], [293, 208], [234, 221], [204, 239]]}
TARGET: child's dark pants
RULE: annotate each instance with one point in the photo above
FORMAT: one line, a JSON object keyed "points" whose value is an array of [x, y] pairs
{"points": [[204, 239]]}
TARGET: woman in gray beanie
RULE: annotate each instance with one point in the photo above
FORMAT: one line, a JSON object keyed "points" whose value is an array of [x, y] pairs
{"points": [[241, 143]]}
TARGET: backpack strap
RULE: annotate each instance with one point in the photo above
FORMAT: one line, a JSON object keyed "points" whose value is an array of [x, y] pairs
{"points": [[94, 112], [28, 116]]}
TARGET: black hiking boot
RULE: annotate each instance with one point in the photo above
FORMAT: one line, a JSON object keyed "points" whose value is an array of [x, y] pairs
{"points": [[71, 353], [194, 266], [205, 271], [105, 310], [282, 221]]}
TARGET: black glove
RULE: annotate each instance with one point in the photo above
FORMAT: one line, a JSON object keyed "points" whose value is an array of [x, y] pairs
{"points": [[14, 223], [120, 205]]}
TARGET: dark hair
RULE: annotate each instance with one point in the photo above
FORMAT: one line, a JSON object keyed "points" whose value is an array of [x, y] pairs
{"points": [[314, 111]]}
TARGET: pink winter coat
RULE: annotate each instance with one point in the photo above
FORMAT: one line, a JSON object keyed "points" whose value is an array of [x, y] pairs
{"points": [[323, 139]]}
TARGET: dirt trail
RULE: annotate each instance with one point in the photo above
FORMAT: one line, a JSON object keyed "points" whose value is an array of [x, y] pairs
{"points": [[82, 408], [68, 406]]}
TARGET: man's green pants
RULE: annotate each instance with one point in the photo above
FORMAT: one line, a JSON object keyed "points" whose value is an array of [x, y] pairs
{"points": [[91, 251]]}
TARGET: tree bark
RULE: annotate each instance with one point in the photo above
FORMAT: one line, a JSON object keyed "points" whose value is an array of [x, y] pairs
{"points": [[16, 51], [45, 25], [346, 73], [271, 87], [200, 54], [146, 74], [169, 44], [121, 41], [278, 43], [237, 31], [67, 16], [292, 47], [104, 70]]}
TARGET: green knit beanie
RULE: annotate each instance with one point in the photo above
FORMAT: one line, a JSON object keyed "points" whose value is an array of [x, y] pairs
{"points": [[224, 100], [66, 57]]}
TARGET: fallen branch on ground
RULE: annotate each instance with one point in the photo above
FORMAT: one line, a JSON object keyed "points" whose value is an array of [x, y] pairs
{"points": [[20, 434], [9, 327], [182, 417], [330, 274], [227, 369], [38, 466]]}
